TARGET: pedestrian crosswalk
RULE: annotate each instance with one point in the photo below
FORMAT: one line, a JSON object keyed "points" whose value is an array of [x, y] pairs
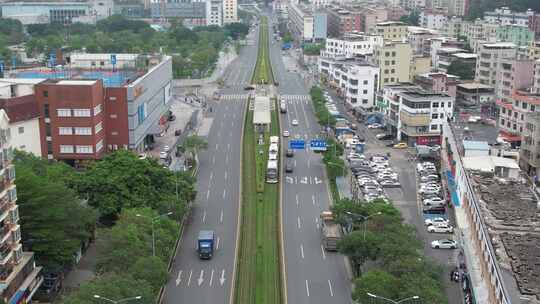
{"points": [[296, 98], [233, 97]]}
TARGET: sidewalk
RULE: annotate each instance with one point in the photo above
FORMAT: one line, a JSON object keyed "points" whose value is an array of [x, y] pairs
{"points": [[82, 272]]}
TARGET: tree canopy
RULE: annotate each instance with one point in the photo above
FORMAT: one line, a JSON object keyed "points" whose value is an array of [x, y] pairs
{"points": [[478, 7], [413, 18], [463, 70]]}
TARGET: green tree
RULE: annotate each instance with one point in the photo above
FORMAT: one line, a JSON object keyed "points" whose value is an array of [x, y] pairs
{"points": [[54, 221], [413, 18], [377, 282], [463, 70], [359, 247], [152, 270]]}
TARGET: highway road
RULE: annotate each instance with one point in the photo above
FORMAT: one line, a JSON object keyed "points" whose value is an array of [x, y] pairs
{"points": [[216, 207], [312, 274]]}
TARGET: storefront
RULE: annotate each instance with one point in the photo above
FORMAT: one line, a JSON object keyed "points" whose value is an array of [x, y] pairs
{"points": [[428, 140]]}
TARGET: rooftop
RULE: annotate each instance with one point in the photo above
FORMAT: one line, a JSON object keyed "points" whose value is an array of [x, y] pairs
{"points": [[391, 23], [475, 145], [488, 163], [474, 86], [110, 78], [465, 55], [499, 45], [419, 93]]}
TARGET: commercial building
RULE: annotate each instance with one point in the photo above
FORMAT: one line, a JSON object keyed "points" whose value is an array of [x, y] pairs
{"points": [[305, 24], [356, 80], [86, 113], [474, 94], [17, 99], [45, 12], [19, 276], [489, 58], [351, 46], [434, 19], [438, 82], [191, 12], [394, 59], [519, 35], [417, 37], [343, 21], [392, 30], [415, 115]]}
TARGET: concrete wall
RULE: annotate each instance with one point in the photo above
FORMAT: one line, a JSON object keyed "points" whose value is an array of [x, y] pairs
{"points": [[25, 136]]}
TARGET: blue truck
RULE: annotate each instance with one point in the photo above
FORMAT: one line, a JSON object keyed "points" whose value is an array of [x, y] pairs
{"points": [[286, 46], [205, 244]]}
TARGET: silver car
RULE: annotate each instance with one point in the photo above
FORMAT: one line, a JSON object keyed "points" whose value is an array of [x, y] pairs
{"points": [[444, 244]]}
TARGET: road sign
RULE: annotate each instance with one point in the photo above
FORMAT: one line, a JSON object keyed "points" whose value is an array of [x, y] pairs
{"points": [[318, 145], [113, 59], [1, 66], [299, 144]]}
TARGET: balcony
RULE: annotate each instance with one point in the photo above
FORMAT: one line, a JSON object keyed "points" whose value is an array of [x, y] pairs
{"points": [[5, 253], [414, 120], [5, 272]]}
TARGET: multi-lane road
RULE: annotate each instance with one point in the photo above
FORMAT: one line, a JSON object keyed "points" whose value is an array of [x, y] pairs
{"points": [[312, 274], [216, 206]]}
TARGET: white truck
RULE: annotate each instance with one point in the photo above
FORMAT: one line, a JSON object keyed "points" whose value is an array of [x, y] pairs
{"points": [[330, 231]]}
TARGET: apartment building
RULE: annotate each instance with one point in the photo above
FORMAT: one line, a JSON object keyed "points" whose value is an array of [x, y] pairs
{"points": [[444, 57], [458, 7], [419, 65], [394, 59], [417, 37], [413, 4], [351, 46], [437, 82], [356, 80], [19, 276], [305, 24], [513, 74], [519, 35], [489, 58], [230, 11], [479, 32], [434, 19], [17, 99], [342, 21], [505, 16], [533, 50], [453, 27], [392, 30], [536, 78], [529, 152], [371, 16], [214, 12], [415, 115], [474, 94], [512, 115], [395, 12], [432, 46]]}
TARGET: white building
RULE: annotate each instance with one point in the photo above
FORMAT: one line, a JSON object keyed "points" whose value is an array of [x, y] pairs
{"points": [[230, 11], [215, 12], [18, 101], [505, 16], [351, 46], [357, 81], [301, 21], [433, 19], [415, 115]]}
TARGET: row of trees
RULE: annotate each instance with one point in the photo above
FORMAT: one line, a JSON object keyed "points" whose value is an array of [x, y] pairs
{"points": [[396, 268], [478, 7], [119, 199]]}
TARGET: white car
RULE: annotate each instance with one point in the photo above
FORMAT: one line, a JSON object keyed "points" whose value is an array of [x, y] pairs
{"points": [[163, 155], [272, 156], [375, 126], [436, 221], [434, 201], [443, 228], [286, 133], [444, 244], [430, 189], [294, 122], [429, 178], [166, 148]]}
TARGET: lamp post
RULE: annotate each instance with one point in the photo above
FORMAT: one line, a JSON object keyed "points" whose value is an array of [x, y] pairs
{"points": [[392, 301], [116, 301], [364, 219], [153, 233]]}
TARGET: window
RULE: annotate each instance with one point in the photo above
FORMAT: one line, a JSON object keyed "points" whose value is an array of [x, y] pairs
{"points": [[504, 110], [449, 104], [386, 80], [386, 62], [364, 92], [532, 108], [45, 93], [81, 112], [83, 131], [98, 127], [364, 101], [114, 133], [393, 62], [433, 127], [113, 116], [97, 109], [66, 149], [502, 121], [435, 104], [99, 145], [65, 131], [393, 54], [21, 130], [441, 115], [434, 116], [524, 105], [63, 112], [112, 98], [85, 149]]}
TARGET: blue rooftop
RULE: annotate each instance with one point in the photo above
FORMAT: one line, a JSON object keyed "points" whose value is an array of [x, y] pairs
{"points": [[110, 78], [475, 145]]}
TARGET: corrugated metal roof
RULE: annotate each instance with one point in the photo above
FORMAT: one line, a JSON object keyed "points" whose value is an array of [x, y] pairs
{"points": [[475, 145], [261, 110]]}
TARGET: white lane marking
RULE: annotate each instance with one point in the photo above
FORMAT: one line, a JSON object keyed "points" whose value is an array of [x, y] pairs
{"points": [[225, 175], [313, 199], [226, 159], [222, 279], [204, 216], [201, 278], [299, 223], [228, 146], [310, 180], [189, 279], [213, 160], [302, 251], [211, 175], [307, 288], [322, 250], [308, 163], [230, 134], [179, 278], [212, 279], [217, 243], [297, 202], [295, 162], [330, 286], [217, 146], [207, 194], [224, 192], [221, 217]]}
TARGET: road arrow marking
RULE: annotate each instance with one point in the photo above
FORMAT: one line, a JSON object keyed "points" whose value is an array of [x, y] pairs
{"points": [[299, 224], [322, 250], [200, 280], [189, 279], [222, 279], [330, 286], [304, 180], [302, 250], [212, 277], [317, 181], [179, 278], [221, 217], [289, 179]]}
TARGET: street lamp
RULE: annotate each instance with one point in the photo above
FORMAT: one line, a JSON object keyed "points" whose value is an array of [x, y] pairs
{"points": [[153, 233], [390, 300], [116, 301], [364, 219]]}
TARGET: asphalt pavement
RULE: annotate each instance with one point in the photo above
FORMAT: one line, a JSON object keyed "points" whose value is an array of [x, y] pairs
{"points": [[312, 274], [216, 207]]}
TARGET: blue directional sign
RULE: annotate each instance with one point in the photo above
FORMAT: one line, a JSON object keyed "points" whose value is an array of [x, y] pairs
{"points": [[298, 144], [1, 66], [318, 145], [113, 59]]}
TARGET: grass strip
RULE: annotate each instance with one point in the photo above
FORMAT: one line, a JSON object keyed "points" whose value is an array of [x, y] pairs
{"points": [[263, 68]]}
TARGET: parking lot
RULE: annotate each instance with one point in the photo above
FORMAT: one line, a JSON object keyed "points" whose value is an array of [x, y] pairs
{"points": [[380, 155]]}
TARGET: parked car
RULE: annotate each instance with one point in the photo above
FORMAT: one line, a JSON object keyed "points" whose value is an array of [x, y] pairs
{"points": [[401, 145], [430, 177], [177, 132], [434, 210], [436, 221], [444, 244], [163, 155], [249, 88], [434, 201], [166, 148], [443, 228], [172, 118], [375, 126], [289, 167]]}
